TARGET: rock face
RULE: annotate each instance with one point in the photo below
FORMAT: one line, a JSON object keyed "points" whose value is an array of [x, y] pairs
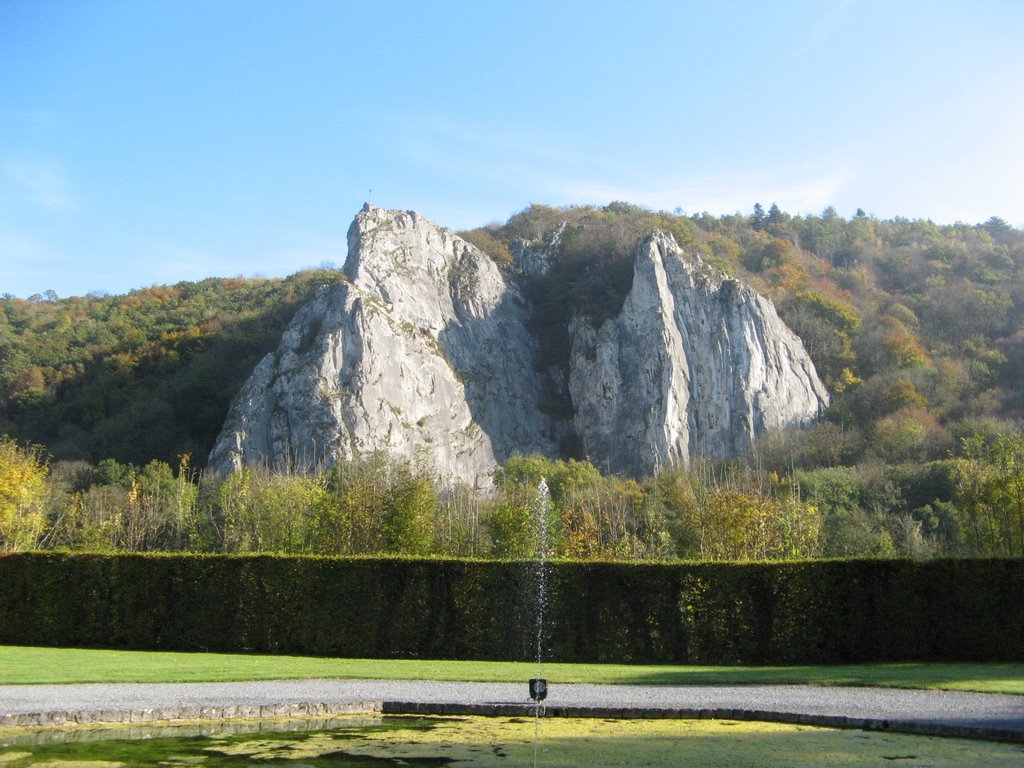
{"points": [[695, 364], [424, 353]]}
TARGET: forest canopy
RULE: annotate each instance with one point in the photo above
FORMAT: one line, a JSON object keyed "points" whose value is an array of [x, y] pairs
{"points": [[147, 375]]}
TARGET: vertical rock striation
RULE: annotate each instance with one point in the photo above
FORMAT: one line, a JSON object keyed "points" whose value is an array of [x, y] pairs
{"points": [[695, 364], [424, 353]]}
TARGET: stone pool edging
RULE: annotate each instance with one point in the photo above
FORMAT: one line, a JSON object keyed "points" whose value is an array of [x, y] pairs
{"points": [[174, 715], [57, 719]]}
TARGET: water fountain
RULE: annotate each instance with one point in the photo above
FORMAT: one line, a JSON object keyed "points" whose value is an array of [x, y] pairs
{"points": [[539, 685], [541, 514]]}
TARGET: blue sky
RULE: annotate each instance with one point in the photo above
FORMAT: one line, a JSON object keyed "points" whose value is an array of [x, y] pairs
{"points": [[150, 142]]}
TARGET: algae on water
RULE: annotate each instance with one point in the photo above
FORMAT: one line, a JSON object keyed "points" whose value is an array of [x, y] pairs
{"points": [[483, 742]]}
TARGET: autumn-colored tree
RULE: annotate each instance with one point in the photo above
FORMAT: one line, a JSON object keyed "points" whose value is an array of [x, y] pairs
{"points": [[828, 325], [512, 525], [23, 473], [373, 504], [261, 511], [990, 494], [515, 518], [407, 513]]}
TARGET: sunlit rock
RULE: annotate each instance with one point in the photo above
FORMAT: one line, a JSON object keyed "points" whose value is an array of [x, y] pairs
{"points": [[424, 354]]}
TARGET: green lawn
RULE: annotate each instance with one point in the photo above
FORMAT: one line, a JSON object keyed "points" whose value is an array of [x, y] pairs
{"points": [[67, 665]]}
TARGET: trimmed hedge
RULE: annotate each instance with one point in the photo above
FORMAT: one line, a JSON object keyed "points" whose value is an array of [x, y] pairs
{"points": [[792, 613]]}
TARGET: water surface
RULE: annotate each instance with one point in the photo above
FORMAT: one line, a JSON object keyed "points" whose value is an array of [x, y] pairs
{"points": [[479, 741]]}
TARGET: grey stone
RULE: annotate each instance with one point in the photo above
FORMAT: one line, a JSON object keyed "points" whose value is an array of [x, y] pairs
{"points": [[424, 354], [695, 364]]}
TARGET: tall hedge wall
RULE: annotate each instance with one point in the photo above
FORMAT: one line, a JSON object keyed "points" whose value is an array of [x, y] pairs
{"points": [[831, 611]]}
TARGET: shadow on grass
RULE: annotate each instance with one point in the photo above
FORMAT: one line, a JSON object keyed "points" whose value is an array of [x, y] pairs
{"points": [[990, 678]]}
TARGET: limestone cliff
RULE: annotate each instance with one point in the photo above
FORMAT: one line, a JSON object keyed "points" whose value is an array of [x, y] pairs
{"points": [[695, 364], [424, 353]]}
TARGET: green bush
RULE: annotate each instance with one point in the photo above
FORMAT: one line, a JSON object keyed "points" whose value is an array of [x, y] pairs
{"points": [[790, 612]]}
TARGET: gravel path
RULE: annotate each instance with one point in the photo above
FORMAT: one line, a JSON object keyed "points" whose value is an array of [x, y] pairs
{"points": [[935, 712]]}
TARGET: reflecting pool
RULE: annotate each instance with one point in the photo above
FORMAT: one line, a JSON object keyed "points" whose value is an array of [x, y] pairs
{"points": [[478, 741]]}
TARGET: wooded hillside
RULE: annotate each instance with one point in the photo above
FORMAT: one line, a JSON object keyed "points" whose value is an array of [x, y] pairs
{"points": [[148, 375], [917, 330]]}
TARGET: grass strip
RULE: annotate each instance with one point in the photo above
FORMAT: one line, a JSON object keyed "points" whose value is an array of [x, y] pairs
{"points": [[32, 665]]}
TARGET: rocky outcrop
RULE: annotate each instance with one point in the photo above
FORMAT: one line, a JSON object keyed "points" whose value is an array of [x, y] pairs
{"points": [[424, 353], [535, 258], [695, 364]]}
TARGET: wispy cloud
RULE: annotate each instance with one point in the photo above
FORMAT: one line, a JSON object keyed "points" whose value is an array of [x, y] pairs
{"points": [[514, 141], [796, 192], [169, 263], [502, 166], [40, 183], [523, 158]]}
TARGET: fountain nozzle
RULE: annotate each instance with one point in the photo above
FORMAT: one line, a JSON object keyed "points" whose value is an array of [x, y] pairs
{"points": [[538, 688]]}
